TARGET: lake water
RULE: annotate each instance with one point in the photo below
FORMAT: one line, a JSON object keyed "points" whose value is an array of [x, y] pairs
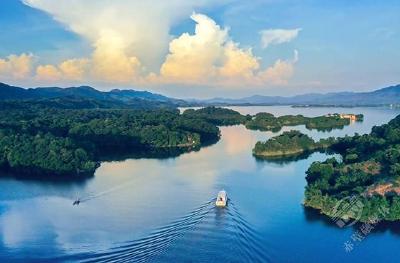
{"points": [[162, 210]]}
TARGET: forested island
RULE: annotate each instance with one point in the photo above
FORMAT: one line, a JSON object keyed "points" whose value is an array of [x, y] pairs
{"points": [[289, 143], [67, 137], [55, 142], [268, 122], [369, 171], [218, 116]]}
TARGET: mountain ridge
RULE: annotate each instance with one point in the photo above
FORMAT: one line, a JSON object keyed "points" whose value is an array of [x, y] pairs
{"points": [[384, 96], [9, 92]]}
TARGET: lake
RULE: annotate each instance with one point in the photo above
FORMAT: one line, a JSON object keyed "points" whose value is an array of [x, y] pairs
{"points": [[162, 210]]}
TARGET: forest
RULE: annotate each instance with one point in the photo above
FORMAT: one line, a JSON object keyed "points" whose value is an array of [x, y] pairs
{"points": [[70, 142], [369, 170], [289, 144], [68, 137], [218, 116], [268, 122]]}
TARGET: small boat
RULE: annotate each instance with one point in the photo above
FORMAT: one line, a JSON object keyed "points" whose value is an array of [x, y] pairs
{"points": [[76, 202], [222, 199]]}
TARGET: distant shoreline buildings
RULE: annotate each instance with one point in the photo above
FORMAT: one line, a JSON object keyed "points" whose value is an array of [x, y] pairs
{"points": [[352, 117]]}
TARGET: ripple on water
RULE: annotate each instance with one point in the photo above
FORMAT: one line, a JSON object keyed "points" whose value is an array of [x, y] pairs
{"points": [[206, 233]]}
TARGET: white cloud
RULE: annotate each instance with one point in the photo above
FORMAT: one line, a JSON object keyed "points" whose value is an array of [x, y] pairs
{"points": [[111, 62], [277, 36], [132, 46], [16, 66], [141, 27], [48, 73], [210, 57], [70, 70], [194, 57], [280, 72], [74, 69]]}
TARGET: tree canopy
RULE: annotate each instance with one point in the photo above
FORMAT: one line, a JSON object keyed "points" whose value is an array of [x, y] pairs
{"points": [[69, 142], [369, 169]]}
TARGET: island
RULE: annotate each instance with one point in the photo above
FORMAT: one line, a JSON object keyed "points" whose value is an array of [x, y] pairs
{"points": [[55, 142], [268, 122], [68, 137], [289, 143], [217, 116], [369, 172]]}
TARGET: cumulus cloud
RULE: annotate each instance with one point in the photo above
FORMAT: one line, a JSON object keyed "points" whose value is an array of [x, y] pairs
{"points": [[110, 61], [69, 70], [194, 57], [238, 62], [141, 27], [132, 45], [277, 36], [47, 73], [130, 38], [16, 66], [280, 72], [74, 69], [209, 56]]}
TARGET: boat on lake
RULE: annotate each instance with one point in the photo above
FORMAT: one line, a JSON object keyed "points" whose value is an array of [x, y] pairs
{"points": [[222, 199]]}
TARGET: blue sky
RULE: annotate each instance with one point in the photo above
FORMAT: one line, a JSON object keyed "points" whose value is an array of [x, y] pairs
{"points": [[341, 45]]}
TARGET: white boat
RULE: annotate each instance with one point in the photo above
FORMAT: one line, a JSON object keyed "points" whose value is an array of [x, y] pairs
{"points": [[222, 199]]}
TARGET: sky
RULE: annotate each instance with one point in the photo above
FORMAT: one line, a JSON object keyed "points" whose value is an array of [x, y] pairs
{"points": [[202, 48]]}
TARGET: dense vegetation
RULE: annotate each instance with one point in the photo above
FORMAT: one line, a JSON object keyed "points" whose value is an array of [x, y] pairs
{"points": [[66, 142], [268, 122], [217, 116], [369, 170], [68, 136], [74, 102], [288, 144]]}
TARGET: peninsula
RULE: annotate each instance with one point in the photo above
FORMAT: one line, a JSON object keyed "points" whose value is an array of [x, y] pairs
{"points": [[289, 143], [268, 122], [67, 137], [369, 171]]}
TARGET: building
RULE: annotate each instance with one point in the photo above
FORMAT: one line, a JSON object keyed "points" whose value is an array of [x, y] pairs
{"points": [[352, 117]]}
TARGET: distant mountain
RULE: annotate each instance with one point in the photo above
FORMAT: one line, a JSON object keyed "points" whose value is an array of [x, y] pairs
{"points": [[85, 95], [71, 102], [112, 98], [129, 94], [385, 96]]}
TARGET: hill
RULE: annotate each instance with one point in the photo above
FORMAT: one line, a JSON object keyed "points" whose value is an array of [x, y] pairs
{"points": [[368, 173], [380, 97], [384, 96], [113, 98]]}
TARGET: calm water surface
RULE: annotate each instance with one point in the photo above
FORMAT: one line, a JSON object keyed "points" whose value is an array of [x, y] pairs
{"points": [[161, 210]]}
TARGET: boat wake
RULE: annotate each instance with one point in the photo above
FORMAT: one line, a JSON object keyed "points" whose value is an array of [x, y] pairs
{"points": [[207, 232], [105, 192]]}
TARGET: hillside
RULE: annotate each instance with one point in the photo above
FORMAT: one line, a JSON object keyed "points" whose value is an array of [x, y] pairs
{"points": [[54, 143], [384, 96], [119, 97], [368, 171], [290, 143]]}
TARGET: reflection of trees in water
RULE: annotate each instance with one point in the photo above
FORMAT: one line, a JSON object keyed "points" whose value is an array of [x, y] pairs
{"points": [[284, 160], [314, 216], [392, 227], [157, 153], [43, 179], [108, 155], [327, 130]]}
